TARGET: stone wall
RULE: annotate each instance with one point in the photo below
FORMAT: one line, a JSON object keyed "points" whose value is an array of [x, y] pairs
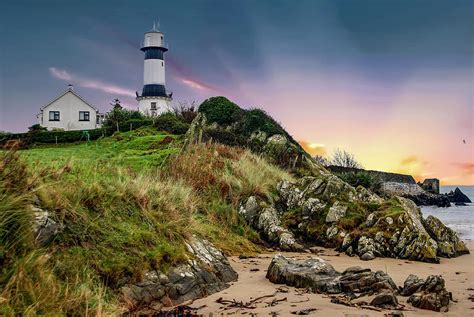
{"points": [[383, 176]]}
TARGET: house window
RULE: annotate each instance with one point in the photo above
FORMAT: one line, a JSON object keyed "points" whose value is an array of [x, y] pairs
{"points": [[54, 116], [153, 106], [83, 115]]}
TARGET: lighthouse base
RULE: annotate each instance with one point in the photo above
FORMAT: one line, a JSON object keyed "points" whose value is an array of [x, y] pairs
{"points": [[153, 106]]}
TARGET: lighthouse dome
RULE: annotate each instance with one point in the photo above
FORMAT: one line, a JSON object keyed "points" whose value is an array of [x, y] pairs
{"points": [[154, 38]]}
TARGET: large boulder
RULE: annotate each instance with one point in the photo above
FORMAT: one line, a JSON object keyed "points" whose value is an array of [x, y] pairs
{"points": [[206, 272], [318, 275], [314, 274], [449, 244], [431, 295]]}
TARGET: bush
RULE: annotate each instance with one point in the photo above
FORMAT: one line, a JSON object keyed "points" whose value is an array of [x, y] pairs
{"points": [[220, 110], [257, 119], [361, 178], [169, 122]]}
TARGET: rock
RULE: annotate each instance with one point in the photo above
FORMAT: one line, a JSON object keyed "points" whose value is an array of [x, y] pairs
{"points": [[367, 256], [370, 221], [460, 204], [396, 313], [336, 212], [206, 272], [267, 220], [449, 244], [411, 285], [414, 242], [317, 275], [250, 209], [389, 221], [431, 295], [457, 196], [385, 299], [358, 280], [367, 196], [314, 274], [366, 248], [44, 227], [269, 223]]}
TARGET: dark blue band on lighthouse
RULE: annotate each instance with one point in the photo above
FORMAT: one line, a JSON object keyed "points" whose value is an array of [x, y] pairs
{"points": [[154, 52], [154, 90]]}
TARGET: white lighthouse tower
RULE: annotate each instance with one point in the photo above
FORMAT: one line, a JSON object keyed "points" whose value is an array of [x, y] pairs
{"points": [[154, 98]]}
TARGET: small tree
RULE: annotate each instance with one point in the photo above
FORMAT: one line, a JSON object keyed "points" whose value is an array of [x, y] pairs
{"points": [[185, 110], [118, 115], [321, 160], [344, 159]]}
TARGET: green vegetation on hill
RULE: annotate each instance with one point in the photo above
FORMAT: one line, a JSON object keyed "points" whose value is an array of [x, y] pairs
{"points": [[124, 204]]}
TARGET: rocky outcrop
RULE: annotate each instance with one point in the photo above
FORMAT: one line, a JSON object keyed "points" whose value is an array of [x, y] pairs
{"points": [[206, 272], [457, 196], [318, 275], [431, 295], [267, 221], [449, 244]]}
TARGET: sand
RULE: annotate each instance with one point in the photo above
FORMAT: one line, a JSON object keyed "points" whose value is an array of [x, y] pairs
{"points": [[457, 272]]}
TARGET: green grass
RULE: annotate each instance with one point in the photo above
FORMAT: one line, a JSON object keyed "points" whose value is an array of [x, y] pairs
{"points": [[137, 150], [126, 204]]}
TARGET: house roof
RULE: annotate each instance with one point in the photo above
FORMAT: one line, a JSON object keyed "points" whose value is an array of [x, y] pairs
{"points": [[75, 94]]}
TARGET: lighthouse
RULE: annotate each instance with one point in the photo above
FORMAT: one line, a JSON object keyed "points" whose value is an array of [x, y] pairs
{"points": [[154, 99]]}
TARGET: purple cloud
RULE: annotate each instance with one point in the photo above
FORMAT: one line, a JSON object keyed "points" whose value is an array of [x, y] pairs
{"points": [[91, 83]]}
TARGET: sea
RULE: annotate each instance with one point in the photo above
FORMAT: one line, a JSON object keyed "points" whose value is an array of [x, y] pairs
{"points": [[458, 218]]}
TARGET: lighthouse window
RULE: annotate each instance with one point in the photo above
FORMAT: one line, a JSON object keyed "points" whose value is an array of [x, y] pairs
{"points": [[54, 116], [84, 116], [153, 106], [161, 63]]}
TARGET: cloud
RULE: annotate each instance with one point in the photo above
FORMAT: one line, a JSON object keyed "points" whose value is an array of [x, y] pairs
{"points": [[313, 148], [91, 83], [60, 73], [466, 167], [195, 84]]}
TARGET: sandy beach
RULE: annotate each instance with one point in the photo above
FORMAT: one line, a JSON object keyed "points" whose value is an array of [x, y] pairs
{"points": [[457, 272]]}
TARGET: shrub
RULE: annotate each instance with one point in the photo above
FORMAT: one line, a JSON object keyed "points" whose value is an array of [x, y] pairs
{"points": [[257, 119], [361, 178], [169, 122], [220, 110]]}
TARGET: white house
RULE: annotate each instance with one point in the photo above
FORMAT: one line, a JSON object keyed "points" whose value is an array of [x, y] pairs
{"points": [[70, 111]]}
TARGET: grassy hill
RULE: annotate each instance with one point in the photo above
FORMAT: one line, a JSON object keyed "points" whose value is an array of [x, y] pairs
{"points": [[124, 204]]}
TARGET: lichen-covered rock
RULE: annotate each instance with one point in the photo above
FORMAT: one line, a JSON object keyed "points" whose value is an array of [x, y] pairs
{"points": [[431, 295], [317, 275], [414, 242], [267, 220], [336, 212], [411, 285], [314, 274], [358, 280], [44, 227], [449, 244], [367, 196], [366, 248], [205, 273]]}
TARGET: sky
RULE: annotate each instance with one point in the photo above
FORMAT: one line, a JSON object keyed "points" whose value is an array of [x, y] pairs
{"points": [[390, 81]]}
